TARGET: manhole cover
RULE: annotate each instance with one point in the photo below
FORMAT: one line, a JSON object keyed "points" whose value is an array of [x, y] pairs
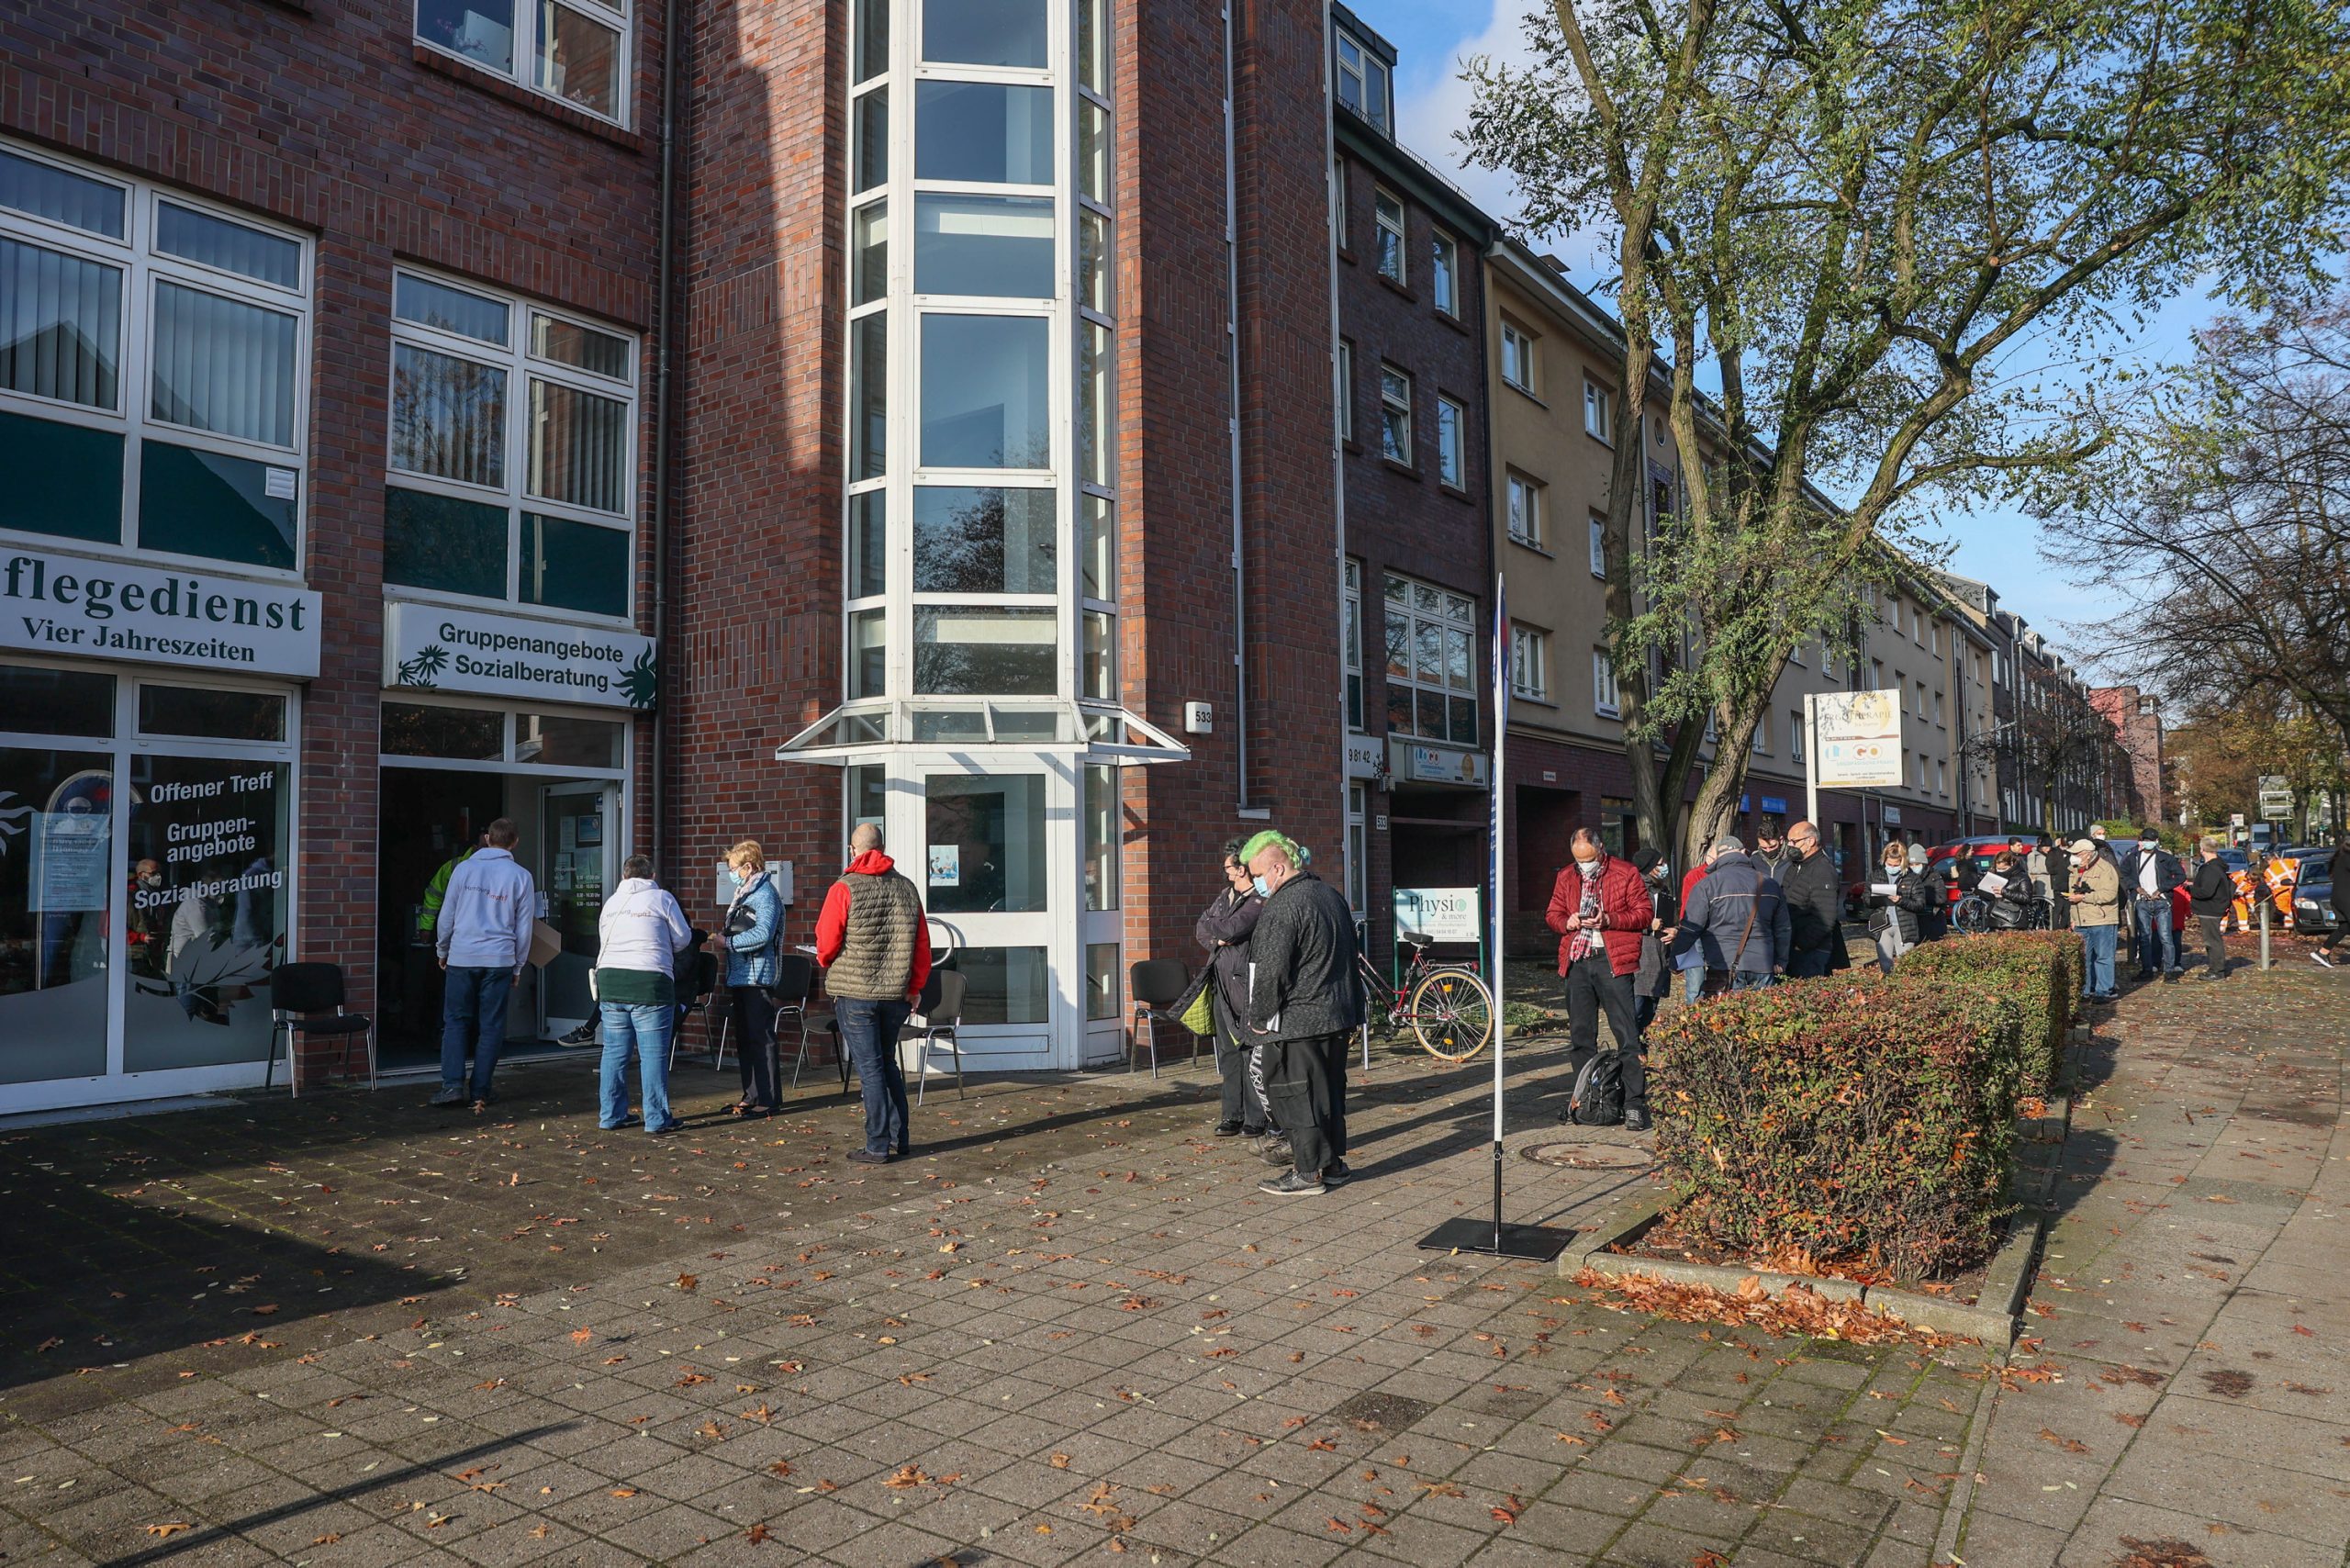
{"points": [[1591, 1155], [1381, 1412]]}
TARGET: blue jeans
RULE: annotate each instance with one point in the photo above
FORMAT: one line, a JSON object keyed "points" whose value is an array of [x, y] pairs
{"points": [[2099, 942], [473, 1014], [643, 1032], [1693, 984], [870, 1034], [1750, 980], [2158, 942]]}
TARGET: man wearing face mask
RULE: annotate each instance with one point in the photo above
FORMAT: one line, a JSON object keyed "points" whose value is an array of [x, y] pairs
{"points": [[149, 926], [1600, 908], [1304, 1000]]}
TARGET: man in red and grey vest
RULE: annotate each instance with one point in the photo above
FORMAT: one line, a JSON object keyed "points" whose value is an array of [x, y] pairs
{"points": [[874, 943]]}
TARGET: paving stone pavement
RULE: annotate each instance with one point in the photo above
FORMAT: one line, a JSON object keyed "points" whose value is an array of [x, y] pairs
{"points": [[348, 1330]]}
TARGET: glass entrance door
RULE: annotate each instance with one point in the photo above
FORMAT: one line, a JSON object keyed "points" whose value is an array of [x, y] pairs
{"points": [[988, 850], [577, 854]]}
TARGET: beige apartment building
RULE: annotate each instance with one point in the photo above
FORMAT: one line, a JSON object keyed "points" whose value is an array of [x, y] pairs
{"points": [[1554, 356]]}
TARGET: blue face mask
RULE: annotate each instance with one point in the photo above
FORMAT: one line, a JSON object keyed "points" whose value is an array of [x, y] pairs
{"points": [[1262, 892]]}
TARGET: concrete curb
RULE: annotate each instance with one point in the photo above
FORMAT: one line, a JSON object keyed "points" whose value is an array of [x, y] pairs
{"points": [[1992, 1318]]}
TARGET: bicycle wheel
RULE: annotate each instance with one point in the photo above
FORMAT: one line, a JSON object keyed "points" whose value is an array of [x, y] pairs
{"points": [[1452, 1014]]}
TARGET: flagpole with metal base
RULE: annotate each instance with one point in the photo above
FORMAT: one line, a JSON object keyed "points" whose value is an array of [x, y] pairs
{"points": [[1462, 1232]]}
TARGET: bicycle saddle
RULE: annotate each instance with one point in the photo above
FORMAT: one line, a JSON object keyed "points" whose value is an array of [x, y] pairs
{"points": [[1413, 939]]}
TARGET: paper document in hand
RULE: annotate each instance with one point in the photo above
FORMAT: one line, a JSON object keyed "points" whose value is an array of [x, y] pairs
{"points": [[1993, 884], [1272, 1024], [1882, 889]]}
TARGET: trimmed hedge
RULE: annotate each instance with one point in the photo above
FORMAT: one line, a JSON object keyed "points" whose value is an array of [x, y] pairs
{"points": [[2041, 970], [1863, 1123]]}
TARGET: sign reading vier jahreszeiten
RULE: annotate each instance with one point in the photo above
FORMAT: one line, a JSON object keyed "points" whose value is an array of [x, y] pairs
{"points": [[52, 603], [430, 649]]}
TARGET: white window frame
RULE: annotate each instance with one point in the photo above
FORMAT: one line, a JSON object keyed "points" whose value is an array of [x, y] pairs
{"points": [[1401, 229], [1454, 613], [1452, 443], [1356, 61], [1345, 390], [1444, 272], [1598, 546], [1338, 214], [521, 367], [1522, 515], [1598, 412], [524, 73], [1387, 401], [143, 268], [1350, 636], [1530, 663], [1606, 697], [1794, 738], [1762, 744], [1517, 348]]}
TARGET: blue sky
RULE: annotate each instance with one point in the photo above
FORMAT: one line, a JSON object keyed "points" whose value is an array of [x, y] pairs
{"points": [[2000, 548]]}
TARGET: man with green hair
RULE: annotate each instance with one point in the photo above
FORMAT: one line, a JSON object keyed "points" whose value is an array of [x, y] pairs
{"points": [[1304, 1000]]}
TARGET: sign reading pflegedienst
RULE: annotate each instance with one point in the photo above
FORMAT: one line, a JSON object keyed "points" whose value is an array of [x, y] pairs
{"points": [[1858, 737], [428, 648], [53, 603]]}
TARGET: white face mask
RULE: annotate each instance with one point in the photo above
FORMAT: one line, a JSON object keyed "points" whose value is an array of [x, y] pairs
{"points": [[1587, 861]]}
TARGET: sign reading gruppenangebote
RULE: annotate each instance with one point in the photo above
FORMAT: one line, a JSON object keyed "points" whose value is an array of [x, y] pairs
{"points": [[1858, 737], [53, 603], [429, 648]]}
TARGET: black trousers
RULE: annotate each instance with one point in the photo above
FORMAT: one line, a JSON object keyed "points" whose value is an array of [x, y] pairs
{"points": [[1305, 1091], [2215, 944], [1243, 1105], [753, 1022], [1594, 984]]}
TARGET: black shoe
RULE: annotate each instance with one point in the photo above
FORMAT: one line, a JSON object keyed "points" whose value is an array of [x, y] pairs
{"points": [[448, 1097], [1252, 1132], [1296, 1184], [867, 1157], [1228, 1129], [582, 1035], [1336, 1174], [1636, 1120], [621, 1126]]}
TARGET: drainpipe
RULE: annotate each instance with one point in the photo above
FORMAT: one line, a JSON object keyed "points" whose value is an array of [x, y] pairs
{"points": [[663, 281], [1339, 459], [1232, 348]]}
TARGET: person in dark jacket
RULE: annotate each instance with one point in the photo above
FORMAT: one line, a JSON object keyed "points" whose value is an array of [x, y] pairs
{"points": [[1814, 904], [1654, 978], [1601, 910], [1304, 1000], [2208, 899], [1772, 848], [1740, 916], [2148, 874], [1224, 929], [1896, 915]]}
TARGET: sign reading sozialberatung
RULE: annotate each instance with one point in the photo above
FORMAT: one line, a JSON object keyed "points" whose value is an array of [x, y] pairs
{"points": [[1859, 738], [80, 605], [429, 648]]}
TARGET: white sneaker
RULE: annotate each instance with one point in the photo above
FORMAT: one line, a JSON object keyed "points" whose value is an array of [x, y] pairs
{"points": [[2322, 961]]}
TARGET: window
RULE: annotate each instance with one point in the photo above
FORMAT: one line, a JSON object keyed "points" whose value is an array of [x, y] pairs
{"points": [[1357, 849], [1362, 83], [575, 54], [1604, 695], [1762, 734], [1598, 412], [1518, 357], [1598, 545], [1530, 663], [1346, 391], [1827, 659], [1938, 705], [152, 369], [1941, 777], [1431, 661], [1921, 699], [1351, 632], [1444, 280], [512, 451], [1395, 415], [1794, 737], [1524, 510], [1452, 437], [1338, 215], [1387, 217]]}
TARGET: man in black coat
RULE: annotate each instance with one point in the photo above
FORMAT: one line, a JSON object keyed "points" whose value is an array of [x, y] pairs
{"points": [[1815, 906], [1304, 1002], [2207, 898]]}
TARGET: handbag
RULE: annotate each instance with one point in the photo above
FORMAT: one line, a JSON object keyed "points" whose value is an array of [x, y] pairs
{"points": [[1196, 1010]]}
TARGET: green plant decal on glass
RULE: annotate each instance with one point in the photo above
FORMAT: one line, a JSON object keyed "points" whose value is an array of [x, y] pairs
{"points": [[641, 682], [424, 670]]}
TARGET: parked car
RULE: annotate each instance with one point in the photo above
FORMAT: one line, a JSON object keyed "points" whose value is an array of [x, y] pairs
{"points": [[2313, 892], [1982, 849]]}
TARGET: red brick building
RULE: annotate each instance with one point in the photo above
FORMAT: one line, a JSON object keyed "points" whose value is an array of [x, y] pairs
{"points": [[429, 411]]}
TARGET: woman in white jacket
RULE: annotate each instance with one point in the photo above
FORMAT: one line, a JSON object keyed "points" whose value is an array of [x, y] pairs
{"points": [[641, 931]]}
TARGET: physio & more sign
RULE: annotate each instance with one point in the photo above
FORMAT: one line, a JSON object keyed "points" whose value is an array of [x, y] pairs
{"points": [[69, 605], [430, 649]]}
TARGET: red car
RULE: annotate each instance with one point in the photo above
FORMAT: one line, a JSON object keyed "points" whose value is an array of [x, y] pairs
{"points": [[1982, 849]]}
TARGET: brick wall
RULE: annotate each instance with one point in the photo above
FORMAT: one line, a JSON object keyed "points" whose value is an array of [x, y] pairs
{"points": [[335, 121]]}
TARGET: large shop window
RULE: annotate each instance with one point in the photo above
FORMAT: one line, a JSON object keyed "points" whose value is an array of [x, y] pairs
{"points": [[574, 53], [152, 369], [1431, 659], [144, 858], [511, 450]]}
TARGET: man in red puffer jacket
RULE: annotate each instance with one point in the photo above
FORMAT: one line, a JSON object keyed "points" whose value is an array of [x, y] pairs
{"points": [[1599, 908]]}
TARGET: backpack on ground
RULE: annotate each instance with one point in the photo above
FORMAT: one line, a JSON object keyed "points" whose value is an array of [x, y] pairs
{"points": [[1598, 1100]]}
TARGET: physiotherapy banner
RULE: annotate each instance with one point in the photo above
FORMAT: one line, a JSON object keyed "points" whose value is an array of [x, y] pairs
{"points": [[83, 606]]}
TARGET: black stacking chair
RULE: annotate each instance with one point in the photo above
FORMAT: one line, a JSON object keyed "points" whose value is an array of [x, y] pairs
{"points": [[1154, 984], [297, 993]]}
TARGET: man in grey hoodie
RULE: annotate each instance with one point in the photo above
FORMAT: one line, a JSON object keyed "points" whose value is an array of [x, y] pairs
{"points": [[1304, 1000]]}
